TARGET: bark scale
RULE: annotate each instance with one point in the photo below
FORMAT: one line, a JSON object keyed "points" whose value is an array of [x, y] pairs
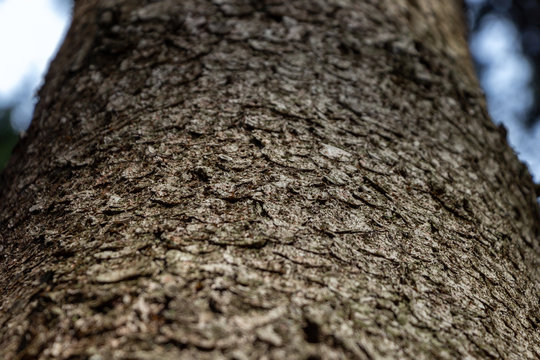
{"points": [[289, 179]]}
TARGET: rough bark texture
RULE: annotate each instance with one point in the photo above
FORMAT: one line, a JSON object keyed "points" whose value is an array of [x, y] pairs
{"points": [[266, 179]]}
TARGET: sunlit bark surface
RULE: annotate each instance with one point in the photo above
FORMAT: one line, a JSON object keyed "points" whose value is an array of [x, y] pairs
{"points": [[266, 179]]}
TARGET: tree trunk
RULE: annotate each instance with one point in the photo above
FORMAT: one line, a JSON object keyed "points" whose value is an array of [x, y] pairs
{"points": [[266, 179]]}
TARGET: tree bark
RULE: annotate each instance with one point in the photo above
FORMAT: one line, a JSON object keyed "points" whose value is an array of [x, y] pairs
{"points": [[266, 179]]}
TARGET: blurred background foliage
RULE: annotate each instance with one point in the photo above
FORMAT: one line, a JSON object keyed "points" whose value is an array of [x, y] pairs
{"points": [[513, 25], [8, 137], [504, 41]]}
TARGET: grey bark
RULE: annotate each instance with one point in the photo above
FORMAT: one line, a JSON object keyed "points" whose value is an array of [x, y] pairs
{"points": [[266, 179]]}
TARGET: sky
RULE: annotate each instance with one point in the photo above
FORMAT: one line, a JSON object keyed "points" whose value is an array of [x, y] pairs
{"points": [[31, 32]]}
